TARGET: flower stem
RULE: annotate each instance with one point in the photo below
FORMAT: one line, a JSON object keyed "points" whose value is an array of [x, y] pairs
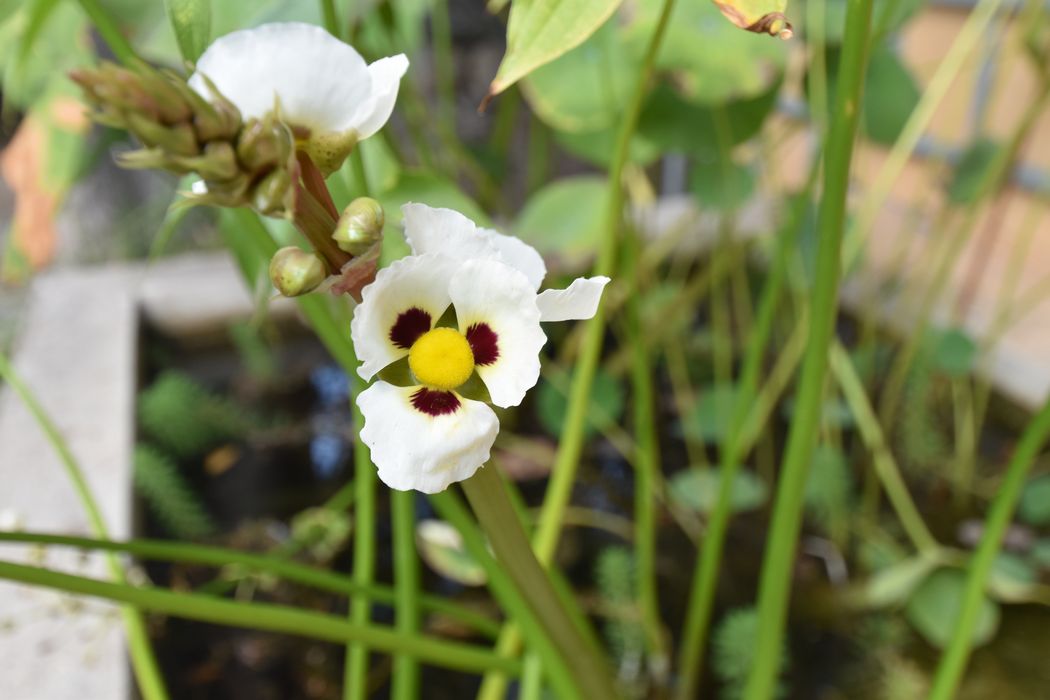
{"points": [[143, 660], [953, 661], [495, 512], [775, 582], [266, 616]]}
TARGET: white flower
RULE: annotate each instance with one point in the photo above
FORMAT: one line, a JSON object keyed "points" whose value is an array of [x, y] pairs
{"points": [[323, 88], [428, 434]]}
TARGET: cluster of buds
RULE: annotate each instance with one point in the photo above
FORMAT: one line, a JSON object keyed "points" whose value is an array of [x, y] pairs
{"points": [[240, 163]]}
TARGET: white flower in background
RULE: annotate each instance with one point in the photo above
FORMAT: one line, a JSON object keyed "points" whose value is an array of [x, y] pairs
{"points": [[427, 435], [322, 87]]}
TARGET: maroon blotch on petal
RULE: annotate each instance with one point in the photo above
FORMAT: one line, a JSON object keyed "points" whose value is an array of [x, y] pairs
{"points": [[484, 343], [409, 326], [435, 403]]}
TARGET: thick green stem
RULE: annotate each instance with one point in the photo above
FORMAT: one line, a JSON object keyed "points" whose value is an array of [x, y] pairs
{"points": [[775, 583], [953, 661], [452, 509], [495, 512], [143, 661], [265, 616]]}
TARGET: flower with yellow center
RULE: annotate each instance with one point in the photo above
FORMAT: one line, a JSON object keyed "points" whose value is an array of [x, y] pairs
{"points": [[441, 359], [427, 434]]}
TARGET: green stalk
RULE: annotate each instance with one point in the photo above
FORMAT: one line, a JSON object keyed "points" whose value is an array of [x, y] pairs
{"points": [[885, 465], [775, 580], [646, 462], [708, 563], [143, 661], [330, 18], [495, 512], [953, 661], [265, 616], [321, 579], [566, 461], [451, 508], [405, 683]]}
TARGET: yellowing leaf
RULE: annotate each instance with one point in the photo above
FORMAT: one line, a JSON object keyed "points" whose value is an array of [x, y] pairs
{"points": [[539, 31], [759, 16]]}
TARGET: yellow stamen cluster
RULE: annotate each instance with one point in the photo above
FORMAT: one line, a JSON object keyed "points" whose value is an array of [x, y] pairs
{"points": [[441, 358]]}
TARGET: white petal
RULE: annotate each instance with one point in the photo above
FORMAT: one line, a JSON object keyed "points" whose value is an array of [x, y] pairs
{"points": [[419, 282], [519, 255], [413, 450], [386, 76], [320, 81], [578, 301], [430, 230], [435, 230], [491, 293]]}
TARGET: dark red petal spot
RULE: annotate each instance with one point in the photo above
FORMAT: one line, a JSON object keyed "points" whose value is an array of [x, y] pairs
{"points": [[409, 326], [484, 343], [435, 403]]}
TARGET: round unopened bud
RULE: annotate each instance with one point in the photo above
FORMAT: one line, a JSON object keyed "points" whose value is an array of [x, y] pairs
{"points": [[360, 226], [272, 195], [294, 271]]}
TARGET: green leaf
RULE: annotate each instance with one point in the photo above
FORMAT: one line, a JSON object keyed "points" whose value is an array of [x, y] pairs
{"points": [[596, 147], [606, 404], [712, 413], [894, 584], [696, 488], [441, 547], [671, 123], [1012, 578], [191, 22], [1034, 507], [975, 172], [936, 605], [953, 352], [721, 185], [564, 219], [890, 96], [540, 31], [587, 88]]}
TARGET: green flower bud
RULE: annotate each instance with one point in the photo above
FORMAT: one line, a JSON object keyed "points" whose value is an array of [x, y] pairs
{"points": [[217, 162], [294, 271], [360, 226], [177, 140], [264, 143]]}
